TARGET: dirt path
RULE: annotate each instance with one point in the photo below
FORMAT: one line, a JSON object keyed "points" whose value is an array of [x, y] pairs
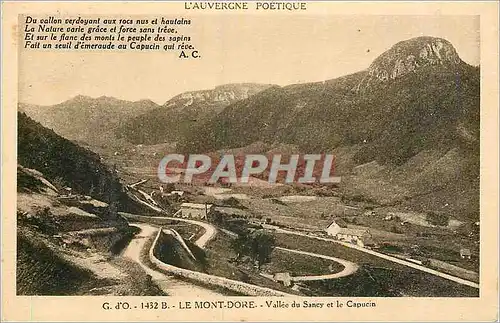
{"points": [[170, 285], [211, 231]]}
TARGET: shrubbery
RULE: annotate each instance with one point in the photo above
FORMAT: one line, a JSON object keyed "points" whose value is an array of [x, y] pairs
{"points": [[438, 219]]}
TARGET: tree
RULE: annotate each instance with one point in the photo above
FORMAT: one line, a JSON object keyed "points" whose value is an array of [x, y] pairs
{"points": [[263, 245], [169, 187], [258, 245], [216, 217]]}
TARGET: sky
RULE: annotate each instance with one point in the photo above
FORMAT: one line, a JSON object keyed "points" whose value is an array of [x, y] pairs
{"points": [[278, 50]]}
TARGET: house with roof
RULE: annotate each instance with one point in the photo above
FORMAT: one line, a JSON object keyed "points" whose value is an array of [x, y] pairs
{"points": [[352, 235]]}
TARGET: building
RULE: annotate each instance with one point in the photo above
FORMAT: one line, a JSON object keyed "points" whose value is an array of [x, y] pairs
{"points": [[465, 253], [356, 236], [194, 211], [332, 229]]}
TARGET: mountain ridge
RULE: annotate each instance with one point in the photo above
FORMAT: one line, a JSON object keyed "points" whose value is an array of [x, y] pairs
{"points": [[183, 112]]}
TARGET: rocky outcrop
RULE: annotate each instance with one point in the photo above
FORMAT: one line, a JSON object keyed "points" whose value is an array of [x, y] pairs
{"points": [[224, 94], [408, 57]]}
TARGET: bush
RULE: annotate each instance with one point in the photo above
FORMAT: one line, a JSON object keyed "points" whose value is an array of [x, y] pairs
{"points": [[438, 219]]}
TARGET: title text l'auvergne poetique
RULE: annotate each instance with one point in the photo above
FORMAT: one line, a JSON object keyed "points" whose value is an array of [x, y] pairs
{"points": [[236, 5]]}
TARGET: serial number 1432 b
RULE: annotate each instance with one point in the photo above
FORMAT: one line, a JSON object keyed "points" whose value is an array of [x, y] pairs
{"points": [[154, 305]]}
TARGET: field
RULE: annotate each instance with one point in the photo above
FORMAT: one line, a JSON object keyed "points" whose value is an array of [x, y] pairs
{"points": [[300, 265]]}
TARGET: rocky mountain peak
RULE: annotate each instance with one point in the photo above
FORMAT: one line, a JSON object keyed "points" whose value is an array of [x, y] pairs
{"points": [[408, 57], [223, 94]]}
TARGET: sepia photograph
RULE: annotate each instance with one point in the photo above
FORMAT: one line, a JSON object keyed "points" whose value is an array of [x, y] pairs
{"points": [[223, 157]]}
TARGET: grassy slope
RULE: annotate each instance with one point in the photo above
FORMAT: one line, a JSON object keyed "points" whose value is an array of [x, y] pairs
{"points": [[300, 265], [40, 271]]}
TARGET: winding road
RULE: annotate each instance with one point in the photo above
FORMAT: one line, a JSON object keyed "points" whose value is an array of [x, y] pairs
{"points": [[349, 267], [210, 231], [172, 286]]}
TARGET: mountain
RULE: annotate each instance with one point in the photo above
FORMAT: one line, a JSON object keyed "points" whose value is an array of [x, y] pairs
{"points": [[184, 112], [405, 130], [88, 120]]}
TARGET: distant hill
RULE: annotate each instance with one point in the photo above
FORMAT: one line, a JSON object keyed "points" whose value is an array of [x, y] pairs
{"points": [[183, 113], [88, 120], [412, 117], [64, 163]]}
